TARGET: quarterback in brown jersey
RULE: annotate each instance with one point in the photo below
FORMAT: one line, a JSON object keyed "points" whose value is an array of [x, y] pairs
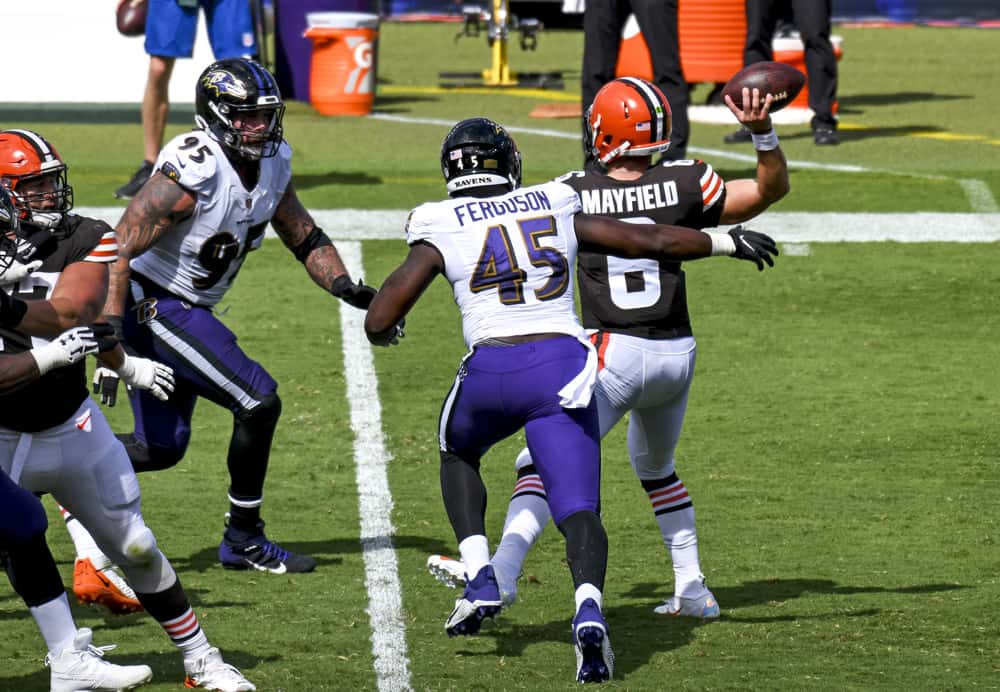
{"points": [[636, 312]]}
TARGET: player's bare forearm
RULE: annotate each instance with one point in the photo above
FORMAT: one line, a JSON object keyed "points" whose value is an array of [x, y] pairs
{"points": [[158, 206], [748, 197], [16, 371], [400, 292], [656, 241], [297, 230], [772, 175]]}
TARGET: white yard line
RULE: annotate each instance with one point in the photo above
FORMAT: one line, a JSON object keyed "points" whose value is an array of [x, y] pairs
{"points": [[786, 227], [385, 605]]}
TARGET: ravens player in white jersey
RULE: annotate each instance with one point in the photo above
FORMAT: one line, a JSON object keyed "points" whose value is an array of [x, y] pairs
{"points": [[183, 239], [508, 254], [636, 313], [53, 438]]}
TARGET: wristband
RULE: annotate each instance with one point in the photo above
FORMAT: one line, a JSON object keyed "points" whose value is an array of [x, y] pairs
{"points": [[766, 141], [47, 357], [722, 244], [341, 286]]}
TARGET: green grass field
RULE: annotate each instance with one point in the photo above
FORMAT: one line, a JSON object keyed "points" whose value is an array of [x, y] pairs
{"points": [[840, 443]]}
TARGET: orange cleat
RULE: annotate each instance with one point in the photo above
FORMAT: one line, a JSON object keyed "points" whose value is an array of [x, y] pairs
{"points": [[103, 587]]}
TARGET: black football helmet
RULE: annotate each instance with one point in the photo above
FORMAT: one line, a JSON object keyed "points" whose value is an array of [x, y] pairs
{"points": [[479, 153], [230, 90], [32, 170]]}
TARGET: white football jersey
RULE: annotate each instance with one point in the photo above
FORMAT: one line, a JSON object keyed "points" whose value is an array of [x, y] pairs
{"points": [[198, 259], [509, 259]]}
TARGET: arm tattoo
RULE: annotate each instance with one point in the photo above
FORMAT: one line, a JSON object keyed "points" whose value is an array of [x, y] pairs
{"points": [[160, 205], [293, 224]]}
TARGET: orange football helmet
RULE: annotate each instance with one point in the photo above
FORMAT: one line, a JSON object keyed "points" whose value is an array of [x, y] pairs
{"points": [[36, 176], [629, 117]]}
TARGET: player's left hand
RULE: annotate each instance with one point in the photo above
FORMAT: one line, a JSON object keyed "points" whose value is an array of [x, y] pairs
{"points": [[355, 294], [106, 384], [153, 376]]}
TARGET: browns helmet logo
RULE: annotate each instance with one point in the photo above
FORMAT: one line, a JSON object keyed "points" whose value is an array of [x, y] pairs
{"points": [[223, 82]]}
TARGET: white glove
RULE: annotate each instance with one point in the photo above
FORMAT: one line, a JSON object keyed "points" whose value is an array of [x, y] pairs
{"points": [[155, 377], [70, 347], [17, 271]]}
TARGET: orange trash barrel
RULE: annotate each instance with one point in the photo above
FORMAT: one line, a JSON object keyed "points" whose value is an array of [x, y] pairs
{"points": [[342, 73], [711, 35]]}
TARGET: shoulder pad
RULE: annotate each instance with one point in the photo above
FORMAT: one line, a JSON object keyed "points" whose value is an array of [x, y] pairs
{"points": [[190, 159]]}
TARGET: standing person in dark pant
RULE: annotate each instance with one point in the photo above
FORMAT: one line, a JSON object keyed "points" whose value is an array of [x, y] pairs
{"points": [[812, 19], [602, 28]]}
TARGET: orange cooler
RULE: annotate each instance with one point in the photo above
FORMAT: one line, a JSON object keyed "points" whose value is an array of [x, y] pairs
{"points": [[342, 74]]}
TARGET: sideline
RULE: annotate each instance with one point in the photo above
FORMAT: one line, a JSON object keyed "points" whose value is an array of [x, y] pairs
{"points": [[385, 605], [785, 227]]}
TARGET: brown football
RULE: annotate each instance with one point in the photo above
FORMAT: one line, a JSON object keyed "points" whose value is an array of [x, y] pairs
{"points": [[783, 81], [131, 17]]}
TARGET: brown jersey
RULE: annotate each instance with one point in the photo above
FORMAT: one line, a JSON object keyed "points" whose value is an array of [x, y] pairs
{"points": [[54, 397], [643, 297]]}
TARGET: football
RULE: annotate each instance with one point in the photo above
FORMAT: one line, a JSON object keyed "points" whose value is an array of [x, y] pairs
{"points": [[131, 17], [782, 81]]}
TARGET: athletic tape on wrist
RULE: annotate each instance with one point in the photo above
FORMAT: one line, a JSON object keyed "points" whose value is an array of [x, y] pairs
{"points": [[722, 244], [765, 141]]}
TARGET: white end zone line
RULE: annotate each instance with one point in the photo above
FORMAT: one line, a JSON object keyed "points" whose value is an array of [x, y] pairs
{"points": [[385, 605]]}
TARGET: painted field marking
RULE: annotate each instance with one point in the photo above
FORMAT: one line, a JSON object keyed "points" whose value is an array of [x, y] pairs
{"points": [[385, 604], [784, 226]]}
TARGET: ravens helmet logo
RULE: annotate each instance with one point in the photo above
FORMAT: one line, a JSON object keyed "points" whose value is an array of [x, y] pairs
{"points": [[222, 82]]}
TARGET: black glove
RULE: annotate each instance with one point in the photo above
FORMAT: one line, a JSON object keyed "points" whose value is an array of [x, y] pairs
{"points": [[355, 294], [107, 336], [106, 384], [753, 246]]}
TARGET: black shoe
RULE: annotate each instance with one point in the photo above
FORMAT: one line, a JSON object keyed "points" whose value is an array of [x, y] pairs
{"points": [[825, 137], [253, 550], [739, 137], [129, 189]]}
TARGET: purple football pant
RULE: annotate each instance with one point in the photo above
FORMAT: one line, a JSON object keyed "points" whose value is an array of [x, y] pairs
{"points": [[22, 516], [206, 359], [501, 389]]}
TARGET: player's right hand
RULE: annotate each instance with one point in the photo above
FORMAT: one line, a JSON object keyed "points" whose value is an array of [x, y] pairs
{"points": [[753, 246], [68, 348], [106, 384], [151, 375]]}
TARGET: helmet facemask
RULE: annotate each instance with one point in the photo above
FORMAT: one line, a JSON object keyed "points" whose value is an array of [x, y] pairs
{"points": [[44, 198]]}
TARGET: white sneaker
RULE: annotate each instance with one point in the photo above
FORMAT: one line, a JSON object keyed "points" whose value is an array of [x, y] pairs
{"points": [[210, 672], [447, 570], [704, 607], [451, 573], [83, 668]]}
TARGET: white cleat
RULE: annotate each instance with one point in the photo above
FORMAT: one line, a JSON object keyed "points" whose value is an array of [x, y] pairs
{"points": [[451, 573], [210, 672], [447, 570], [82, 667], [704, 607]]}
